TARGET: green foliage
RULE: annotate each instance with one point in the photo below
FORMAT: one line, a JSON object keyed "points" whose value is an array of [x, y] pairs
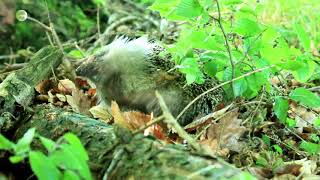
{"points": [[70, 20], [311, 148], [305, 97], [65, 159], [201, 52], [270, 159]]}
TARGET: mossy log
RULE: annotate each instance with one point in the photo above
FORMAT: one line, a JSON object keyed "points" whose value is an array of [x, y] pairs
{"points": [[134, 157], [17, 90]]}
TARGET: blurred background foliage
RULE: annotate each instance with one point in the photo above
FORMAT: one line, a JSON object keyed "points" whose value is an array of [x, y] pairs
{"points": [[76, 19]]}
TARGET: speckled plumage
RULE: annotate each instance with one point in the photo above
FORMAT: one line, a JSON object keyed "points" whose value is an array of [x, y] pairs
{"points": [[130, 72]]}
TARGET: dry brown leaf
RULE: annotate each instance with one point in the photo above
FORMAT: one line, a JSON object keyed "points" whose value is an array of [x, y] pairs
{"points": [[204, 119], [119, 119], [157, 131], [260, 172], [136, 119], [44, 86], [131, 120], [79, 102], [294, 169], [66, 86], [101, 112], [303, 117], [225, 133]]}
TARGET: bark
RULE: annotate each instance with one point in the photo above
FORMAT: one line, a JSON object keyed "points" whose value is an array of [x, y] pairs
{"points": [[136, 157], [17, 90]]}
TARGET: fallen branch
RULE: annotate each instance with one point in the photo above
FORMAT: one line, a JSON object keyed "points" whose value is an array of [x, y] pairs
{"points": [[17, 90], [135, 157]]}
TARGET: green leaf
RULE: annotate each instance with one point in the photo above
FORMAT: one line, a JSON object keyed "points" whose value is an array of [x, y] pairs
{"points": [[100, 2], [74, 141], [231, 2], [17, 158], [304, 73], [278, 148], [281, 108], [246, 27], [70, 175], [210, 68], [314, 137], [189, 8], [255, 81], [43, 167], [266, 140], [261, 161], [190, 67], [291, 122], [316, 122], [311, 148], [282, 54], [48, 143], [198, 39], [166, 9], [292, 65], [305, 97], [240, 86], [23, 144], [68, 158], [5, 144], [303, 36], [77, 54]]}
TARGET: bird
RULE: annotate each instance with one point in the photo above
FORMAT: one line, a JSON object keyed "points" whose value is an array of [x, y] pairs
{"points": [[130, 71]]}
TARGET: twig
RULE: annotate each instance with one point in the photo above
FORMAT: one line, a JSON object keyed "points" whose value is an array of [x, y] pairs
{"points": [[220, 85], [181, 132], [254, 113], [226, 44], [113, 164], [12, 67], [40, 23], [203, 119], [154, 121], [288, 146], [9, 56]]}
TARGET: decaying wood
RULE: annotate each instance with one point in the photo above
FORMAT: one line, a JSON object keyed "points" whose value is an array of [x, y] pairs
{"points": [[17, 90], [136, 157]]}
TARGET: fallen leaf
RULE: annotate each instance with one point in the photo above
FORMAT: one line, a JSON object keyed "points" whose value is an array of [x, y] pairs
{"points": [[225, 133], [79, 102], [294, 169], [209, 117], [44, 86], [101, 112], [157, 131], [118, 117], [134, 120], [61, 97], [66, 86], [303, 117]]}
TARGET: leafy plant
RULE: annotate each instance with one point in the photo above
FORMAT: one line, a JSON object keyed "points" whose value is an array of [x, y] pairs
{"points": [[65, 159], [225, 47]]}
